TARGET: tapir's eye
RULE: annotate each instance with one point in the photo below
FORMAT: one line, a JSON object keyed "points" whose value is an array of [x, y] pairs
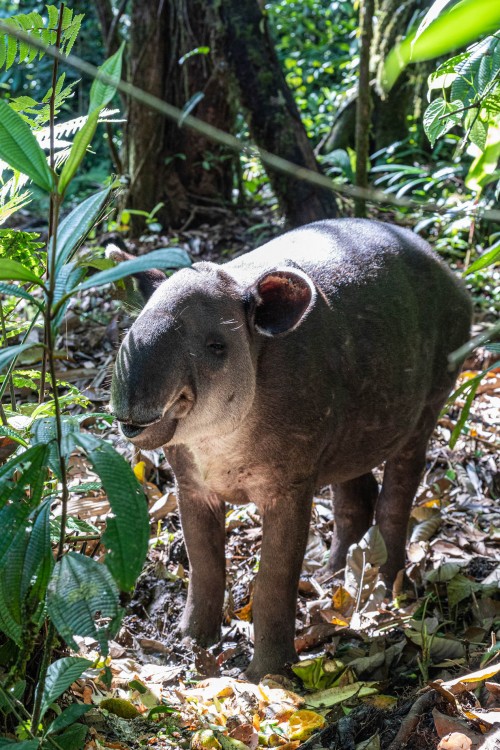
{"points": [[216, 346]]}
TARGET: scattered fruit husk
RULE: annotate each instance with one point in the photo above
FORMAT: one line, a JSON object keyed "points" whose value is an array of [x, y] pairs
{"points": [[303, 723]]}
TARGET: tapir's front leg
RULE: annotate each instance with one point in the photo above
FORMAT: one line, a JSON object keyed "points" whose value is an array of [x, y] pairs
{"points": [[285, 529], [203, 526]]}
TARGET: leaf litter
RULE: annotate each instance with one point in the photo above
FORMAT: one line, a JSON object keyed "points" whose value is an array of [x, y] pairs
{"points": [[419, 669]]}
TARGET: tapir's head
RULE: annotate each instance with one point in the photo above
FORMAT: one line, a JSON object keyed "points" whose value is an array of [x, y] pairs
{"points": [[187, 368]]}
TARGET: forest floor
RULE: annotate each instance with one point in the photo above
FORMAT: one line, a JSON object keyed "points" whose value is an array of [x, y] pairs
{"points": [[378, 673]]}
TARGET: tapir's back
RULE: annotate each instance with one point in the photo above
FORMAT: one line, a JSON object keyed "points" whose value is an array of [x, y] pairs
{"points": [[340, 252], [388, 315]]}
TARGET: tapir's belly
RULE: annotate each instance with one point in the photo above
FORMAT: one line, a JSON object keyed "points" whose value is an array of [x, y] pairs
{"points": [[258, 464]]}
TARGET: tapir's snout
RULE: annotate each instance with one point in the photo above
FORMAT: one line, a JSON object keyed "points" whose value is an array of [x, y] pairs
{"points": [[148, 393]]}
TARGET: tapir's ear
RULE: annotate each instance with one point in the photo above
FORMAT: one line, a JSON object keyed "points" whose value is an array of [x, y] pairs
{"points": [[282, 299], [148, 281]]}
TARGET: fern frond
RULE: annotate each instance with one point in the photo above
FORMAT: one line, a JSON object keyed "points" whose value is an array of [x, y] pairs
{"points": [[36, 113], [43, 30], [13, 204]]}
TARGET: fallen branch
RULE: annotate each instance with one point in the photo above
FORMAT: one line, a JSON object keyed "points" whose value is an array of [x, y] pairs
{"points": [[410, 722]]}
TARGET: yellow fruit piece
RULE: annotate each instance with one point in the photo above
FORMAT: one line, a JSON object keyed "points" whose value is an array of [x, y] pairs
{"points": [[140, 471], [120, 707], [303, 723]]}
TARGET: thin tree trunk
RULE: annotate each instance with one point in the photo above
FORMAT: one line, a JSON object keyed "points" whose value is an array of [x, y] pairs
{"points": [[274, 119], [364, 102]]}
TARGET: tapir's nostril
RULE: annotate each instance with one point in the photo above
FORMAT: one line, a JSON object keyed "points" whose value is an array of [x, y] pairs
{"points": [[131, 430]]}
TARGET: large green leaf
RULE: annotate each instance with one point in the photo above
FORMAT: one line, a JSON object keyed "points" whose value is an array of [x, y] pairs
{"points": [[75, 227], [439, 117], [27, 469], [25, 745], [11, 352], [20, 150], [12, 270], [447, 30], [67, 717], [102, 92], [44, 432], [38, 559], [11, 601], [17, 291], [168, 258], [79, 590], [61, 674], [127, 531], [72, 739], [78, 150]]}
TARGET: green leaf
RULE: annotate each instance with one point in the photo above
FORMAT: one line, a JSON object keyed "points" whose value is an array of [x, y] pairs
{"points": [[67, 717], [478, 133], [78, 150], [127, 531], [79, 590], [13, 270], [44, 432], [20, 150], [487, 259], [16, 691], [39, 560], [101, 93], [483, 168], [451, 29], [75, 227], [17, 291], [6, 431], [26, 745], [73, 738], [12, 352], [464, 413], [439, 117], [459, 588], [11, 603], [169, 258], [190, 105], [61, 674]]}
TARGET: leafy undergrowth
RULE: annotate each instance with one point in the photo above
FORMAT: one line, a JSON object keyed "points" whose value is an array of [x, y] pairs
{"points": [[371, 666]]}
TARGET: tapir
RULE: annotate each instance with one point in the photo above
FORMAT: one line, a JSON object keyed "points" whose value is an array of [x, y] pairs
{"points": [[304, 363]]}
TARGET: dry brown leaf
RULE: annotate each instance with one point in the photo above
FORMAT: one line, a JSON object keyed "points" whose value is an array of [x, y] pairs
{"points": [[446, 725], [246, 733]]}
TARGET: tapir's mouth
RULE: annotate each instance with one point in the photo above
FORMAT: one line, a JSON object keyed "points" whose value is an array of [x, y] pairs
{"points": [[150, 436], [160, 432]]}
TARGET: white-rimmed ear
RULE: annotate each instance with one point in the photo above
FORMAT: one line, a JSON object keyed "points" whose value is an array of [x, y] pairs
{"points": [[282, 299]]}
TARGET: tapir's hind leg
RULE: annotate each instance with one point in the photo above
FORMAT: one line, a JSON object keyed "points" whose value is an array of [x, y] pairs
{"points": [[402, 475], [353, 509]]}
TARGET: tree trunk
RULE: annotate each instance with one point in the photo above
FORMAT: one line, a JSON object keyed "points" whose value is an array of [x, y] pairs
{"points": [[389, 120], [274, 120], [190, 175], [364, 103]]}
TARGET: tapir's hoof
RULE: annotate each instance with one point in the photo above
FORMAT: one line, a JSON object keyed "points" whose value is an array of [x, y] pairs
{"points": [[191, 635], [272, 664]]}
